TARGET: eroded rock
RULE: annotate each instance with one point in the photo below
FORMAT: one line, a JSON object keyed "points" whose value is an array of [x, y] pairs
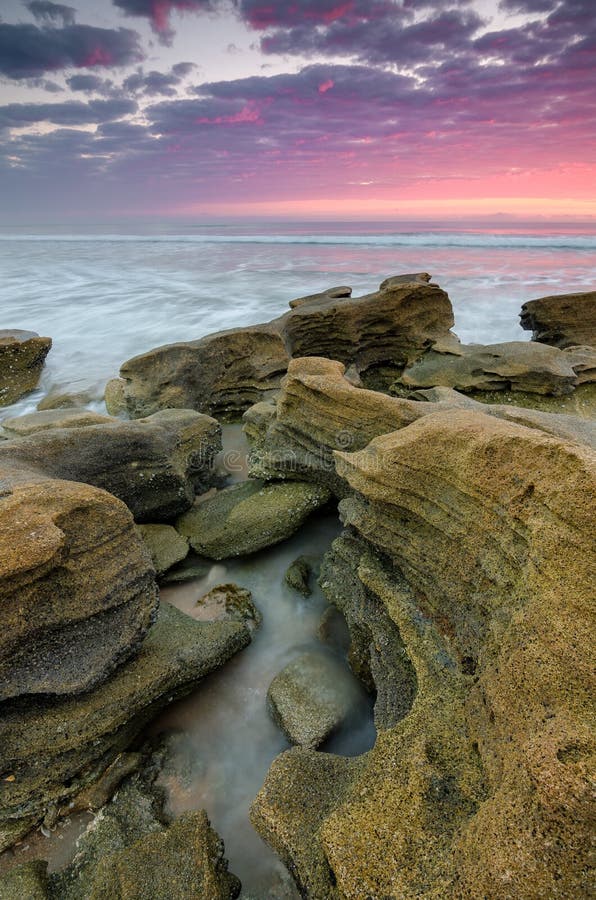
{"points": [[22, 355], [228, 602], [166, 546], [564, 320], [74, 417], [298, 575]]}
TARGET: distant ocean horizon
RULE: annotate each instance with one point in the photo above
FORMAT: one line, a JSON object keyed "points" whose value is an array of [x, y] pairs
{"points": [[106, 292]]}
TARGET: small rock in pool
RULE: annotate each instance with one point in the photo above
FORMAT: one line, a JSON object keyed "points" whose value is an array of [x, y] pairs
{"points": [[298, 576], [310, 699], [229, 602]]}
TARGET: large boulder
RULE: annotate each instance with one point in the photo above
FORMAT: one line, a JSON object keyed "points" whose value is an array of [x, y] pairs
{"points": [[53, 748], [249, 516], [22, 355], [514, 365], [225, 373], [154, 465], [220, 374], [475, 536], [563, 320]]}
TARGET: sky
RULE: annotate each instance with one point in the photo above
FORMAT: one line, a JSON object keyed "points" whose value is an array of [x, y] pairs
{"points": [[356, 109]]}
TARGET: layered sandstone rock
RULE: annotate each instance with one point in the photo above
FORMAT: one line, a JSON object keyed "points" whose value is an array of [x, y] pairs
{"points": [[51, 749], [154, 465], [319, 411], [22, 355], [474, 536], [31, 423], [224, 373], [77, 589], [514, 365], [564, 320]]}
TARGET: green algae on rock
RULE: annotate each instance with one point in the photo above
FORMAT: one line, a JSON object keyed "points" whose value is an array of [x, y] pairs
{"points": [[249, 516], [166, 546], [298, 576]]}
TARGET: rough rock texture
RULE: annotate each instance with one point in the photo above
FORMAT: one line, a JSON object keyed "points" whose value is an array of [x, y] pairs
{"points": [[28, 881], [249, 516], [75, 417], [333, 293], [77, 589], [22, 355], [153, 465], [319, 411], [224, 373], [131, 851], [65, 399], [564, 320], [298, 575], [220, 374], [166, 546], [482, 555], [228, 602], [308, 699], [514, 365], [50, 750], [114, 396]]}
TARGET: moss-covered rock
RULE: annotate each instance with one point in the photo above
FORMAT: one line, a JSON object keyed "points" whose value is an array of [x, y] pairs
{"points": [[309, 699], [298, 575], [29, 881], [249, 516], [166, 546], [22, 355]]}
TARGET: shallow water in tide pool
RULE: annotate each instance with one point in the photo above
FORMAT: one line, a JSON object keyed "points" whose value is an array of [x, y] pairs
{"points": [[221, 739]]}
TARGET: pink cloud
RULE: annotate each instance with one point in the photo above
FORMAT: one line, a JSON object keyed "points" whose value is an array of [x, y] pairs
{"points": [[326, 86]]}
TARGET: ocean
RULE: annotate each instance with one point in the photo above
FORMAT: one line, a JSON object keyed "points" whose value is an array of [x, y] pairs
{"points": [[104, 294]]}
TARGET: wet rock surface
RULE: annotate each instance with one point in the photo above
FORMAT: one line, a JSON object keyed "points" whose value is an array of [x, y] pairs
{"points": [[298, 576], [74, 417], [309, 699], [564, 320], [249, 516], [53, 749], [22, 355], [228, 602]]}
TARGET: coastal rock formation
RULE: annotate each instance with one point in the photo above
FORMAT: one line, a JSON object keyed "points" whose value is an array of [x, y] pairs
{"points": [[131, 851], [474, 535], [298, 575], [564, 320], [249, 516], [77, 589], [514, 365], [319, 411], [154, 465], [51, 749], [220, 374], [308, 699], [166, 546], [22, 355], [224, 373]]}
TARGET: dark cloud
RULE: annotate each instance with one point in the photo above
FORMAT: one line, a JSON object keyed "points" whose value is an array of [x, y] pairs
{"points": [[182, 69], [158, 12], [18, 115], [49, 13], [264, 14], [92, 84], [27, 50]]}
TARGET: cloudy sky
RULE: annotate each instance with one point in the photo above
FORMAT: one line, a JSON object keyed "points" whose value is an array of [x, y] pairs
{"points": [[304, 108]]}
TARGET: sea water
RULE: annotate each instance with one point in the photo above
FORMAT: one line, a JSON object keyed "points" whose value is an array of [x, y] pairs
{"points": [[105, 294]]}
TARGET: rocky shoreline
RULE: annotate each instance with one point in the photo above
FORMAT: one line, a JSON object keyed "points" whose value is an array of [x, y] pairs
{"points": [[465, 481]]}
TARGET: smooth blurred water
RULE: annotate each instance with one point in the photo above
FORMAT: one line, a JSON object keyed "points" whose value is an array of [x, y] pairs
{"points": [[105, 296]]}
